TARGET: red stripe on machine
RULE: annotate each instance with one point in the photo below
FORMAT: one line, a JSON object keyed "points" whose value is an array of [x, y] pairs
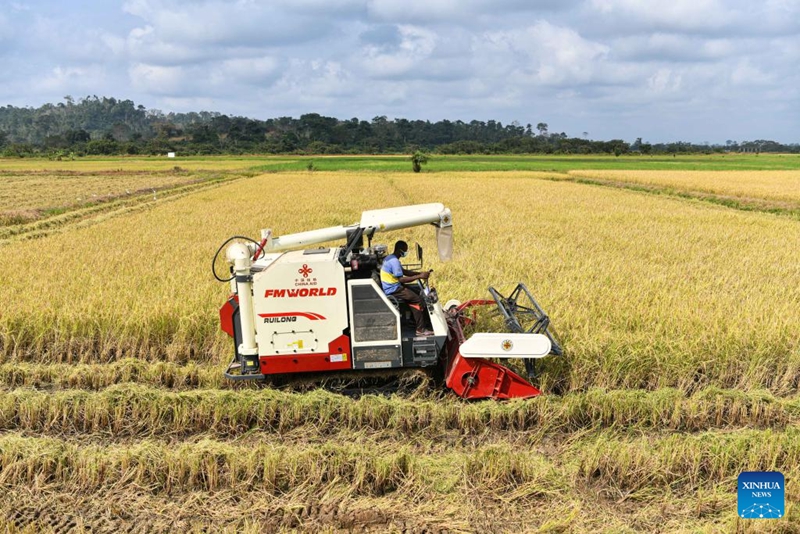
{"points": [[307, 315]]}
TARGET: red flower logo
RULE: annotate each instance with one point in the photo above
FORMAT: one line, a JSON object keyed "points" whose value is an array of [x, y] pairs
{"points": [[305, 270]]}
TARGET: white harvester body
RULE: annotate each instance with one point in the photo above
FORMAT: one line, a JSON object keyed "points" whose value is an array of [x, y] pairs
{"points": [[323, 309]]}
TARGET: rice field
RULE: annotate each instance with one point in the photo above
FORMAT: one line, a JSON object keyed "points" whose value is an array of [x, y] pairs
{"points": [[35, 191], [35, 202], [777, 190], [681, 321]]}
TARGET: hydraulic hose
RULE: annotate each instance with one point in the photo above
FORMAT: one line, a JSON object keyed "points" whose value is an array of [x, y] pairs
{"points": [[216, 255]]}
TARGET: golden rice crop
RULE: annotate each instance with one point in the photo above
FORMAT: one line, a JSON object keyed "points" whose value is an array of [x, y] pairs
{"points": [[679, 318], [647, 292], [779, 189]]}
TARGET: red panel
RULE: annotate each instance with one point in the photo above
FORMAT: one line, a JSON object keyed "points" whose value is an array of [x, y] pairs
{"points": [[339, 345], [305, 363], [226, 315], [476, 378]]}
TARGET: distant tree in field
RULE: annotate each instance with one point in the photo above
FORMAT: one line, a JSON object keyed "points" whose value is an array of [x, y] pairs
{"points": [[542, 127], [418, 159]]}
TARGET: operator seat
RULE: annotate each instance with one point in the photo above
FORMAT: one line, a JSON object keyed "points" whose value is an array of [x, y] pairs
{"points": [[400, 305]]}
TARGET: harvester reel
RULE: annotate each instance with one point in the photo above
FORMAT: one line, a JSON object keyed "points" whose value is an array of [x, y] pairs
{"points": [[523, 315]]}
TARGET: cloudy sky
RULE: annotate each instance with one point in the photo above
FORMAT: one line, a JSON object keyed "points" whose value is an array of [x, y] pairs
{"points": [[695, 70]]}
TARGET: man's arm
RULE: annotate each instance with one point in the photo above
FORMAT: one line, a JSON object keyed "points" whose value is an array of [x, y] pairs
{"points": [[411, 276]]}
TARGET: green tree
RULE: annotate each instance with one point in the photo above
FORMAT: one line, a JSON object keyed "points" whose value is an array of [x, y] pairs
{"points": [[418, 159]]}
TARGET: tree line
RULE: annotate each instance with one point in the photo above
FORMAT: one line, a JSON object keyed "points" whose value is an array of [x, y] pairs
{"points": [[106, 126]]}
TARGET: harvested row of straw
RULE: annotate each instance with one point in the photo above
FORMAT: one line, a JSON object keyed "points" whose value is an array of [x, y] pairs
{"points": [[97, 376], [135, 410], [210, 465], [651, 463], [614, 463]]}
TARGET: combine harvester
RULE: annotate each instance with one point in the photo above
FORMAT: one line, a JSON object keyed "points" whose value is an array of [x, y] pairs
{"points": [[321, 311]]}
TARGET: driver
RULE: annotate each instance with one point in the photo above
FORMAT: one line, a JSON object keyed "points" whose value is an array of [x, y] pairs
{"points": [[393, 276]]}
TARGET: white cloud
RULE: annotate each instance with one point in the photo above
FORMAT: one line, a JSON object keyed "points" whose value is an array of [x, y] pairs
{"points": [[114, 43], [664, 81], [745, 73], [144, 45], [319, 78], [416, 45], [186, 104], [61, 43], [61, 80], [415, 10], [675, 15], [675, 47], [545, 55], [180, 24], [156, 79], [258, 71], [462, 12], [775, 16]]}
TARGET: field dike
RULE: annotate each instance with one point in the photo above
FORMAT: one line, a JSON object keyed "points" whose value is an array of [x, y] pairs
{"points": [[131, 410]]}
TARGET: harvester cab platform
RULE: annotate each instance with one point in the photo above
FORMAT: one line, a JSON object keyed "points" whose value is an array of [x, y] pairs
{"points": [[295, 309]]}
